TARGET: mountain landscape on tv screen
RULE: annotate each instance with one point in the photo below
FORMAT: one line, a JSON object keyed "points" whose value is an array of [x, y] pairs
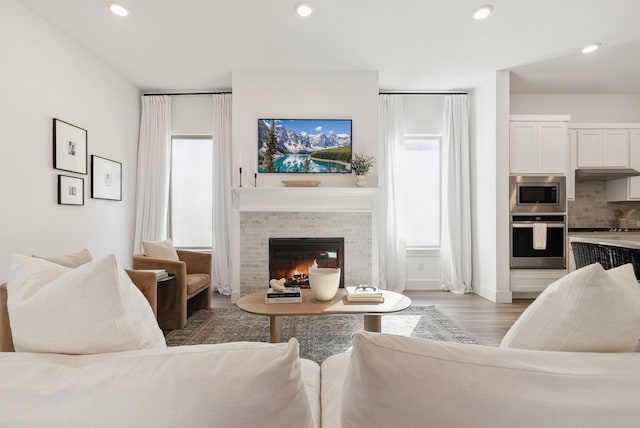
{"points": [[304, 146]]}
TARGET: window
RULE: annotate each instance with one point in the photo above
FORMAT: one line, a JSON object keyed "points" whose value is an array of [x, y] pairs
{"points": [[420, 190], [191, 204]]}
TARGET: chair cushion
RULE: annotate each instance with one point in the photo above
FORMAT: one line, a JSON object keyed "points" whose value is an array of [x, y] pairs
{"points": [[71, 260], [404, 381], [196, 282], [91, 309], [160, 249], [588, 310]]}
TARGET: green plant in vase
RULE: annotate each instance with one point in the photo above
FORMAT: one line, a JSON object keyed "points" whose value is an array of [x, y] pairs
{"points": [[361, 164]]}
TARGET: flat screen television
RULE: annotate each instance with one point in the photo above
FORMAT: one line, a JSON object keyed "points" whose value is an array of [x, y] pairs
{"points": [[304, 145]]}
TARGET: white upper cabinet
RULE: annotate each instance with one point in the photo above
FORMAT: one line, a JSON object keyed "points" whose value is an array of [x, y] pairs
{"points": [[603, 148], [627, 189], [538, 146]]}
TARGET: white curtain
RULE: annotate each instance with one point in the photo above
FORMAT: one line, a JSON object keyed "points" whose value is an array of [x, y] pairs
{"points": [[152, 185], [456, 198], [392, 242], [221, 266]]}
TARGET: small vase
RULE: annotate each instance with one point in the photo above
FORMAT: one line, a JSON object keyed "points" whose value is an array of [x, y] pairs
{"points": [[361, 180]]}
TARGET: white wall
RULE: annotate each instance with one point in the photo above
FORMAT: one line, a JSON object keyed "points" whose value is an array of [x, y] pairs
{"points": [[581, 107], [313, 95], [45, 75], [423, 114], [489, 189]]}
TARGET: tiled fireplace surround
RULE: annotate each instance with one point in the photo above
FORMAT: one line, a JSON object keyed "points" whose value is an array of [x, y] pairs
{"points": [[266, 213]]}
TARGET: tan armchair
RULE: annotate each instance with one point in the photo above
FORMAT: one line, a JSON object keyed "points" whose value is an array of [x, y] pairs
{"points": [[145, 281], [192, 283]]}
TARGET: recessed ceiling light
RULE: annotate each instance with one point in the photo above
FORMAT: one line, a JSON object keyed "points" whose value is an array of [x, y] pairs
{"points": [[304, 8], [592, 47], [482, 12], [117, 8]]}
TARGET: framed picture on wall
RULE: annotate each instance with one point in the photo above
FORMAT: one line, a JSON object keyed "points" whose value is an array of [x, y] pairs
{"points": [[106, 179], [70, 190], [69, 147]]}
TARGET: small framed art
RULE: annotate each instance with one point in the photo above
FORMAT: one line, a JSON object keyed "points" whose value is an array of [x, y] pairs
{"points": [[106, 179], [70, 190], [69, 147]]}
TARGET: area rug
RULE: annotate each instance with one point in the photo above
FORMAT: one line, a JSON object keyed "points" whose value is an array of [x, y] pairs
{"points": [[319, 336]]}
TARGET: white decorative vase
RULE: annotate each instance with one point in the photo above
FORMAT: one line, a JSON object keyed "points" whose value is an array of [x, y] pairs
{"points": [[361, 180], [324, 282]]}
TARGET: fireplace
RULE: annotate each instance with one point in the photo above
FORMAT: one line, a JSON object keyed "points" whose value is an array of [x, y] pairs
{"points": [[290, 258]]}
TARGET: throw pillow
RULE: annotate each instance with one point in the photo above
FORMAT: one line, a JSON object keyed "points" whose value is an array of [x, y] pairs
{"points": [[405, 381], [160, 249], [94, 308], [588, 310], [71, 260]]}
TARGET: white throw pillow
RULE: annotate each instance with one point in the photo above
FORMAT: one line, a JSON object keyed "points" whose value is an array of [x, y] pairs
{"points": [[160, 249], [71, 260], [589, 310], [404, 381], [94, 308]]}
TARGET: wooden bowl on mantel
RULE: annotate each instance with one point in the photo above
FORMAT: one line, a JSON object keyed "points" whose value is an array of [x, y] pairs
{"points": [[301, 183]]}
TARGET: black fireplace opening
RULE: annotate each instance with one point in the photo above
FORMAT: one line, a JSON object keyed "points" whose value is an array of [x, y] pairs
{"points": [[290, 258]]}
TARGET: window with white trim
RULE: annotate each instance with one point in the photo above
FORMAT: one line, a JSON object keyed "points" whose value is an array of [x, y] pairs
{"points": [[191, 205], [419, 192]]}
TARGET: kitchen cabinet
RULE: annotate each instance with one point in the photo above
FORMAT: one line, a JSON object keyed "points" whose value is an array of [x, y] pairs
{"points": [[533, 280], [573, 164], [538, 146], [603, 148], [627, 189]]}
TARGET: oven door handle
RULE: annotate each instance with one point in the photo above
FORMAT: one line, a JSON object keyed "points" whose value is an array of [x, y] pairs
{"points": [[530, 225]]}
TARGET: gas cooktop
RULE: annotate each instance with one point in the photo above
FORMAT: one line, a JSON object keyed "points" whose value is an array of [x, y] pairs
{"points": [[603, 229]]}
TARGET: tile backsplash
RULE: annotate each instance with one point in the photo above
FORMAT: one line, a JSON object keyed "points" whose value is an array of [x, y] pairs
{"points": [[591, 209]]}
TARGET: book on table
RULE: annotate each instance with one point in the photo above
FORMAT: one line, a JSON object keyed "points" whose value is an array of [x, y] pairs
{"points": [[364, 294], [160, 273], [288, 295]]}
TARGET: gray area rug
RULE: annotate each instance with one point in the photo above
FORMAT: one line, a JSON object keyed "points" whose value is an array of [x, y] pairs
{"points": [[319, 336]]}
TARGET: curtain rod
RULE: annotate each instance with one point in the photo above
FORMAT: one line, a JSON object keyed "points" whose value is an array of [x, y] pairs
{"points": [[423, 93], [185, 93]]}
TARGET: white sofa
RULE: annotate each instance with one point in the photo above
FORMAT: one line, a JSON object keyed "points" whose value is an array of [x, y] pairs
{"points": [[385, 381]]}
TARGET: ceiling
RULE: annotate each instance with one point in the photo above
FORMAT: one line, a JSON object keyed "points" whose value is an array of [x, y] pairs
{"points": [[193, 45]]}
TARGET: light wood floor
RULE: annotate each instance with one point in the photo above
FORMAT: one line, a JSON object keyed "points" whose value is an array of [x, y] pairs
{"points": [[486, 320]]}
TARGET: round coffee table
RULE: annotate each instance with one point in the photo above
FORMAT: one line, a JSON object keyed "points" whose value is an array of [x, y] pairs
{"points": [[254, 303]]}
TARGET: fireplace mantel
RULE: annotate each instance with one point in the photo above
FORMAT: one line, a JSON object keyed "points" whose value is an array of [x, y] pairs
{"points": [[301, 199]]}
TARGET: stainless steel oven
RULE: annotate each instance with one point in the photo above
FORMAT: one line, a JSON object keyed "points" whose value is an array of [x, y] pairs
{"points": [[538, 241], [537, 194]]}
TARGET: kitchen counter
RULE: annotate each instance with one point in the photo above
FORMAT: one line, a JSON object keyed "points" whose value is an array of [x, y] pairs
{"points": [[632, 235]]}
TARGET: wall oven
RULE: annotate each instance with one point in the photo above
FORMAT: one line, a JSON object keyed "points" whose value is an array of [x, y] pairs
{"points": [[538, 241], [537, 194]]}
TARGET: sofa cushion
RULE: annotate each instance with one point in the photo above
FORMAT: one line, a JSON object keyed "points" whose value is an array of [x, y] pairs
{"points": [[160, 249], [225, 385], [334, 371], [196, 282], [395, 380], [91, 309], [71, 260], [589, 310]]}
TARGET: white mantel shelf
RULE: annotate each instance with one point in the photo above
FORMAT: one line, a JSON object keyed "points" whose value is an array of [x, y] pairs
{"points": [[300, 199]]}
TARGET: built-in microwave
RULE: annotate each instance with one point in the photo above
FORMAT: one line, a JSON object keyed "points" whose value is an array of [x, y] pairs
{"points": [[537, 194]]}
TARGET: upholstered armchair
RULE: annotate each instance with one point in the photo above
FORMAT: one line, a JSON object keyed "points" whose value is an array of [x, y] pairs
{"points": [[192, 284]]}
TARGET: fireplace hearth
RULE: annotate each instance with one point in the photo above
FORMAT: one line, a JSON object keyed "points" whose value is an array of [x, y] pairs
{"points": [[290, 258]]}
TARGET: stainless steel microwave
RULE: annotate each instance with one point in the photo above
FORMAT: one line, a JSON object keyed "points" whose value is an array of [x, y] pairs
{"points": [[538, 194]]}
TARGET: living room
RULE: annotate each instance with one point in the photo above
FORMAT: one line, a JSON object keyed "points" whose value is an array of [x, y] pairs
{"points": [[49, 73]]}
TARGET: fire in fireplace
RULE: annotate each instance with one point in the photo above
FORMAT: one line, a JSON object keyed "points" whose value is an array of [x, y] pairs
{"points": [[290, 258]]}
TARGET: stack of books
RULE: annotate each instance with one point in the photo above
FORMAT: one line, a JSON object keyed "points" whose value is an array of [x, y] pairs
{"points": [[364, 294], [288, 295], [160, 273]]}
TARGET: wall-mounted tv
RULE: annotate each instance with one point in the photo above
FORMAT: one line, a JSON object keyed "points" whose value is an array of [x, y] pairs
{"points": [[304, 145]]}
